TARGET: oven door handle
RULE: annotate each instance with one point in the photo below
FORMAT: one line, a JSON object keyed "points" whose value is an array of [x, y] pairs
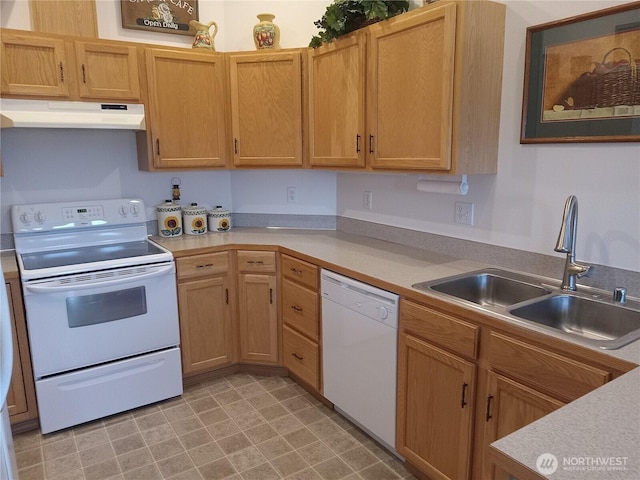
{"points": [[44, 288]]}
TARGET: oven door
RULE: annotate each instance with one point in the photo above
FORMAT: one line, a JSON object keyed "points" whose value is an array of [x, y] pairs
{"points": [[85, 319]]}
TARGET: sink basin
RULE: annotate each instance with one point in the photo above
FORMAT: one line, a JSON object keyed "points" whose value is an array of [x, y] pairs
{"points": [[606, 325], [491, 287]]}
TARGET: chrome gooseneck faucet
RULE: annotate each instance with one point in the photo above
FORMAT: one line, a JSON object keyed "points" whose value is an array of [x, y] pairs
{"points": [[567, 244]]}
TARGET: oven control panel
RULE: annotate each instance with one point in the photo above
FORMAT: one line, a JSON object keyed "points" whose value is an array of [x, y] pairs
{"points": [[43, 217]]}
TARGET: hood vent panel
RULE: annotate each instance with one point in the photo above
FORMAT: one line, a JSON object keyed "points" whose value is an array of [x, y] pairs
{"points": [[55, 114]]}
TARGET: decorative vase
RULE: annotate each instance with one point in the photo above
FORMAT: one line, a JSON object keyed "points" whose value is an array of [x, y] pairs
{"points": [[266, 34]]}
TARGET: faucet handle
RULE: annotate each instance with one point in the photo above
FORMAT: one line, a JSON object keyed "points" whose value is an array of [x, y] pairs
{"points": [[620, 295]]}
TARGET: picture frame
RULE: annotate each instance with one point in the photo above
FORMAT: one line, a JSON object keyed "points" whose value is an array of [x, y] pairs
{"points": [[164, 16], [582, 78]]}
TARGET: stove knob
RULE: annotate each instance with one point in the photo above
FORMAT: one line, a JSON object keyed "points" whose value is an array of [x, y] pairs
{"points": [[122, 211], [135, 209], [25, 218], [40, 217]]}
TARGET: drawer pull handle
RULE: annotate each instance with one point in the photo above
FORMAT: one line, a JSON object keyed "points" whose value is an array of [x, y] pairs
{"points": [[61, 72], [296, 308], [158, 146], [84, 74], [488, 414], [271, 296], [296, 271], [370, 143], [205, 265], [299, 357], [255, 262], [357, 143], [463, 401], [235, 145]]}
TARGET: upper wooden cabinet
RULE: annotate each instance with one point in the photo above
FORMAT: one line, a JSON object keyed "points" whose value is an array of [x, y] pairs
{"points": [[433, 87], [336, 85], [186, 111], [38, 66], [107, 71], [266, 108], [34, 65]]}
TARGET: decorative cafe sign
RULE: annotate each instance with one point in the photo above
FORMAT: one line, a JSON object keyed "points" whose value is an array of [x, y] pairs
{"points": [[167, 16]]}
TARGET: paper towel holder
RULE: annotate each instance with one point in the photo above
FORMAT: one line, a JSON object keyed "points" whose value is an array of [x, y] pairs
{"points": [[443, 186]]}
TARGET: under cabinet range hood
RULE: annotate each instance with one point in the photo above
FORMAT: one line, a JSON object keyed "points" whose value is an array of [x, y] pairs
{"points": [[55, 114]]}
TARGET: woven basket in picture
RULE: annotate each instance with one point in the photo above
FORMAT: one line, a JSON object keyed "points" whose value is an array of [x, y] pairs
{"points": [[615, 82], [609, 84]]}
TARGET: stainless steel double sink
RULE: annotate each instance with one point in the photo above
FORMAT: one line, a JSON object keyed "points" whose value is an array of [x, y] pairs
{"points": [[591, 317]]}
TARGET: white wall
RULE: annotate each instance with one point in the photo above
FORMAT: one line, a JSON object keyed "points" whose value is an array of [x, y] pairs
{"points": [[45, 165], [521, 207]]}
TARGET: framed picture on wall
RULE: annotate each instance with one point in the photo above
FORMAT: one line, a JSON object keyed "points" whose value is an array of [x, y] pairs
{"points": [[582, 78], [165, 16]]}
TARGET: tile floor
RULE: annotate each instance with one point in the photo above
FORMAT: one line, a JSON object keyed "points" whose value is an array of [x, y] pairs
{"points": [[240, 427]]}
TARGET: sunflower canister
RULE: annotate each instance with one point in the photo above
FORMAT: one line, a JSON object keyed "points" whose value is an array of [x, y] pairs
{"points": [[169, 217], [219, 219], [194, 219]]}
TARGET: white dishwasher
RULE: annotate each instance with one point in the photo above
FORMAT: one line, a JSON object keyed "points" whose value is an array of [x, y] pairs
{"points": [[359, 350]]}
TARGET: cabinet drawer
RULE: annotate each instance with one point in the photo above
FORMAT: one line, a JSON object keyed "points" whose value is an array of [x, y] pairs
{"points": [[301, 356], [300, 308], [542, 369], [251, 261], [449, 332], [300, 271], [202, 265]]}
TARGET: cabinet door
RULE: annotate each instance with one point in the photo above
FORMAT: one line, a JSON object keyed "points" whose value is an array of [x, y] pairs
{"points": [[435, 407], [336, 103], [410, 91], [186, 109], [107, 71], [205, 324], [258, 318], [33, 65], [17, 396], [509, 407], [21, 399], [266, 109]]}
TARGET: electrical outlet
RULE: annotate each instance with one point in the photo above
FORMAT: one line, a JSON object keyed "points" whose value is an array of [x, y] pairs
{"points": [[367, 200], [464, 213], [292, 195]]}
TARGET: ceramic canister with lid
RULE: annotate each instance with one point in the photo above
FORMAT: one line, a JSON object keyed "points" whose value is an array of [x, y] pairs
{"points": [[194, 219], [169, 217], [219, 219]]}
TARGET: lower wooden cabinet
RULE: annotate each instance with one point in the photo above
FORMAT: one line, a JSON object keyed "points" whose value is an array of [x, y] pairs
{"points": [[258, 307], [436, 392], [301, 331], [510, 406], [301, 356], [21, 398], [204, 302]]}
